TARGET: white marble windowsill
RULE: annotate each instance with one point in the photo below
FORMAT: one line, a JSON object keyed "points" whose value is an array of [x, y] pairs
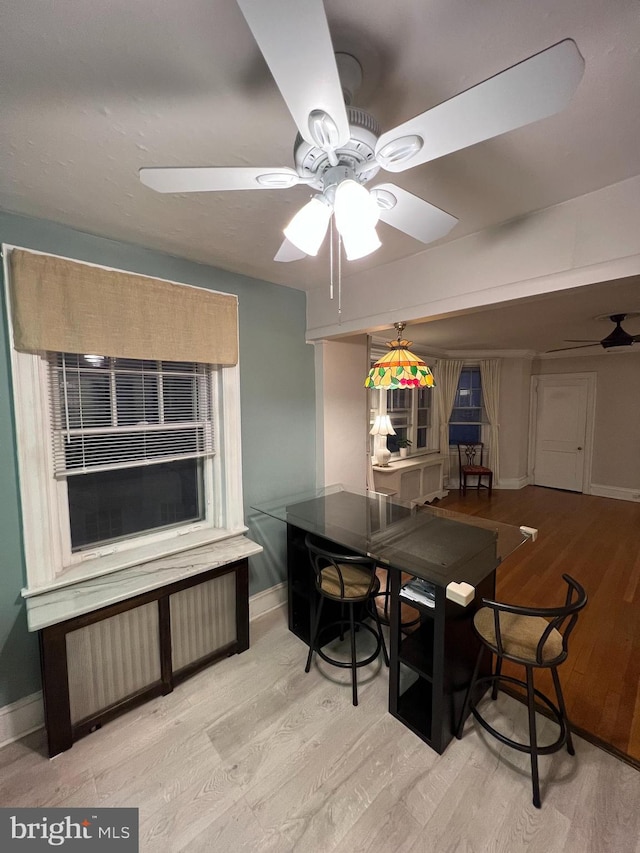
{"points": [[90, 594], [409, 463]]}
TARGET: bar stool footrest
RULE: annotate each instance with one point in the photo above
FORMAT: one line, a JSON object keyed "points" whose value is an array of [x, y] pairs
{"points": [[345, 626], [521, 747]]}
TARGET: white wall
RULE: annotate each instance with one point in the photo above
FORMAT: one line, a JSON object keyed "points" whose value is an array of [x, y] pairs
{"points": [[582, 241], [616, 440], [585, 240], [515, 383], [342, 412]]}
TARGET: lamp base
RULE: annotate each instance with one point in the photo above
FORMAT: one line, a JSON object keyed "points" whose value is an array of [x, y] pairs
{"points": [[383, 455]]}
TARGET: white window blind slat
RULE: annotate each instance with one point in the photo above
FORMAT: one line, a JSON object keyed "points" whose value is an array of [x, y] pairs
{"points": [[110, 413]]}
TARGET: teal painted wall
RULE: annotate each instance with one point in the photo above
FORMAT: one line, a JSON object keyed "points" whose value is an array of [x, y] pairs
{"points": [[278, 418]]}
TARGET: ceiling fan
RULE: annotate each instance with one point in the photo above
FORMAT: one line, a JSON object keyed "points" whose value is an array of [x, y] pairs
{"points": [[339, 148], [616, 339]]}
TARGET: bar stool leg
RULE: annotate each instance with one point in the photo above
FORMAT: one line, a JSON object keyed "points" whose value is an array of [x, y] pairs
{"points": [[376, 617], [533, 741], [498, 670], [314, 636], [467, 698], [354, 669], [563, 710]]}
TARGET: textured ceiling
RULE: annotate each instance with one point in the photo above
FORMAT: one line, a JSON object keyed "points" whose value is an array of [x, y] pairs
{"points": [[93, 91]]}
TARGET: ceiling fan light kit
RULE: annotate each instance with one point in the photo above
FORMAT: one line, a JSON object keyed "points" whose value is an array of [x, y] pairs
{"points": [[356, 213], [308, 227], [318, 87]]}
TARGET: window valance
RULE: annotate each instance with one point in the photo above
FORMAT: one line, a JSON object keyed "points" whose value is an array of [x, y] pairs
{"points": [[67, 306]]}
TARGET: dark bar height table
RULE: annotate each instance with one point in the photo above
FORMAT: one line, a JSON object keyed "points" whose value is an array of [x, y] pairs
{"points": [[431, 665]]}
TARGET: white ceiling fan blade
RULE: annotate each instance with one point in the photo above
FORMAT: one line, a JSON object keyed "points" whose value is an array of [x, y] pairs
{"points": [[288, 252], [535, 88], [413, 215], [293, 36], [211, 179]]}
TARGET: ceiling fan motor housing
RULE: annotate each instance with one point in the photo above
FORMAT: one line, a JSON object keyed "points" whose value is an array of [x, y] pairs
{"points": [[617, 338], [312, 162]]}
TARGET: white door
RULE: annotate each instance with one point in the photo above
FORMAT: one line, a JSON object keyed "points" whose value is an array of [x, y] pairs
{"points": [[561, 427]]}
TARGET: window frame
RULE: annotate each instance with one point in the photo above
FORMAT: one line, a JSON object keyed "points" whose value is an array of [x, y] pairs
{"points": [[49, 560]]}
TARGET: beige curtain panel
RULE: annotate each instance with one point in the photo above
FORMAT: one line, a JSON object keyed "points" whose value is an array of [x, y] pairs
{"points": [[65, 306]]}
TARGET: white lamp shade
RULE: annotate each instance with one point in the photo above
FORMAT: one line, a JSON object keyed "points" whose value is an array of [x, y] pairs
{"points": [[355, 206], [359, 242], [356, 213], [308, 227], [382, 426]]}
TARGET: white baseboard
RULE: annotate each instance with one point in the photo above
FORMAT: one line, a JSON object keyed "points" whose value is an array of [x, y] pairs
{"points": [[268, 599], [513, 483], [508, 483], [21, 718], [615, 492]]}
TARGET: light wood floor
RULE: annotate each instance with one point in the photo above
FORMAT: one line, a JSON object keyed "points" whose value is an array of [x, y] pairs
{"points": [[253, 755], [597, 541]]}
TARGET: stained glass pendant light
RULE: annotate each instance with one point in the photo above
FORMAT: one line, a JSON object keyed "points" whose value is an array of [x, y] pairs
{"points": [[399, 368]]}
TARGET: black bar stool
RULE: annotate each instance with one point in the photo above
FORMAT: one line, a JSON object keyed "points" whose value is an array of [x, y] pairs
{"points": [[350, 580], [536, 638], [385, 594]]}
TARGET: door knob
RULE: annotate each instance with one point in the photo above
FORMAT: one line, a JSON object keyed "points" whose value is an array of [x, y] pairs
{"points": [[579, 448]]}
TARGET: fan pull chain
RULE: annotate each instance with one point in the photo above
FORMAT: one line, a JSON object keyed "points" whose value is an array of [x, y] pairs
{"points": [[339, 278], [335, 250], [331, 259]]}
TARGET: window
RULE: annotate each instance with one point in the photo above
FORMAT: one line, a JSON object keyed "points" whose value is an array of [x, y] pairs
{"points": [[467, 415], [123, 460], [130, 437]]}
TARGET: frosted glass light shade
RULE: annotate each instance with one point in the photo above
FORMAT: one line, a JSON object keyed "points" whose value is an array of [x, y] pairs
{"points": [[308, 227], [356, 212], [354, 204], [359, 242]]}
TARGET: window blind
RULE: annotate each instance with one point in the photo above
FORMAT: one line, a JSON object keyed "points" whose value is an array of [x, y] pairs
{"points": [[110, 413]]}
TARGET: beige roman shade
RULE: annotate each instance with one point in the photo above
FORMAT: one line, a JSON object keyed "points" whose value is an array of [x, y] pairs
{"points": [[66, 306]]}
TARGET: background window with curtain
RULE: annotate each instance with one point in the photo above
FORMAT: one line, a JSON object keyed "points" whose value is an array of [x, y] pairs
{"points": [[467, 415], [129, 439]]}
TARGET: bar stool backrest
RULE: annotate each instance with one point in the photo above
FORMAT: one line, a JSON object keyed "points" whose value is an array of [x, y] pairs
{"points": [[561, 619], [322, 558]]}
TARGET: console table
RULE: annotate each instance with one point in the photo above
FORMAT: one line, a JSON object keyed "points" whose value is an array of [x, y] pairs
{"points": [[431, 666], [111, 642]]}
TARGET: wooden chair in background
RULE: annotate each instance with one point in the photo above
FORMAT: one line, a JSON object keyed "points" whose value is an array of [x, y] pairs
{"points": [[470, 461]]}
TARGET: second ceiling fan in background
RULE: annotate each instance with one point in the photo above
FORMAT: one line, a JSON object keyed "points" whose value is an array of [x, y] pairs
{"points": [[339, 148]]}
